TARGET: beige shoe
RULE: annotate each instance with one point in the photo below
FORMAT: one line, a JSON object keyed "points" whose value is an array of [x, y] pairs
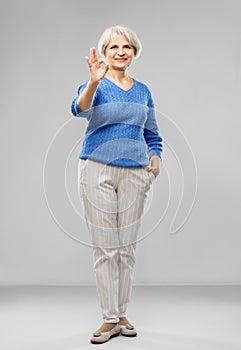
{"points": [[128, 330], [103, 337]]}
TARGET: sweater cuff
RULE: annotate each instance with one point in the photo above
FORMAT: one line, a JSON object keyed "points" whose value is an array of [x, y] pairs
{"points": [[153, 152], [77, 109]]}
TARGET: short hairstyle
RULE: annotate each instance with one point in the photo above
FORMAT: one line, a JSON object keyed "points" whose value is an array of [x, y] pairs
{"points": [[119, 30]]}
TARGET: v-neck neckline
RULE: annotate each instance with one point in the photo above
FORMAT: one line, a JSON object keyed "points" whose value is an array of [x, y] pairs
{"points": [[120, 87]]}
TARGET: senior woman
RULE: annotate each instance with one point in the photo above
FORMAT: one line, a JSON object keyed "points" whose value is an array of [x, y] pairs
{"points": [[119, 160]]}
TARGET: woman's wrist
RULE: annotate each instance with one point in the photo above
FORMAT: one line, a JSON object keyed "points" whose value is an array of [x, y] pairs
{"points": [[155, 159], [93, 84]]}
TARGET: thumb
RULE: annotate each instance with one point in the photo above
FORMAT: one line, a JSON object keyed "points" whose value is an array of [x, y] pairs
{"points": [[106, 67]]}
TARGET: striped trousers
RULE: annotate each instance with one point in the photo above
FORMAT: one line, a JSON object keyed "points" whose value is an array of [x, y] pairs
{"points": [[114, 199]]}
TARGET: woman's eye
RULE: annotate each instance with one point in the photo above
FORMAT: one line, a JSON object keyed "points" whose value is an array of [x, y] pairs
{"points": [[116, 47]]}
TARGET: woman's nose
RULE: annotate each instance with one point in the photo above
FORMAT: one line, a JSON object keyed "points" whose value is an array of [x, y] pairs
{"points": [[120, 52]]}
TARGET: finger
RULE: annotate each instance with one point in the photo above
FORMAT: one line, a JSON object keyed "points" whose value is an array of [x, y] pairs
{"points": [[91, 54], [106, 68], [156, 172], [94, 54], [100, 61], [88, 61], [106, 64], [93, 50]]}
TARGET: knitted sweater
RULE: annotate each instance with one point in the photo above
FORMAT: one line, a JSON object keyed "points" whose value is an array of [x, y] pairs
{"points": [[122, 128]]}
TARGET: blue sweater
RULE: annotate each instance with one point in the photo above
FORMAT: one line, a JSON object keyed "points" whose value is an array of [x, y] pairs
{"points": [[122, 128]]}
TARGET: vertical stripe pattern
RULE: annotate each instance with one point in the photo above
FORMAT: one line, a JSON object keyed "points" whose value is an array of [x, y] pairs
{"points": [[114, 199]]}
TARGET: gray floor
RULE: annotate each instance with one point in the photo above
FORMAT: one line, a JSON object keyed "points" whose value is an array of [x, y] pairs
{"points": [[173, 318]]}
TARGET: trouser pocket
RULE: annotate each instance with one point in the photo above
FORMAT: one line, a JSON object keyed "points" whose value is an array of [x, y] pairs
{"points": [[151, 175]]}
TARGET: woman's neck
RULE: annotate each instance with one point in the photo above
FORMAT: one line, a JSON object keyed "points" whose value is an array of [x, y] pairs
{"points": [[117, 75], [120, 79]]}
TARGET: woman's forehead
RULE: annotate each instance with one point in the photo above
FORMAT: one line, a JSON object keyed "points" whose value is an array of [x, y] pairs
{"points": [[119, 38]]}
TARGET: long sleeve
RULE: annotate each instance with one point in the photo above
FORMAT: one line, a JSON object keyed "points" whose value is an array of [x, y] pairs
{"points": [[76, 111], [151, 132]]}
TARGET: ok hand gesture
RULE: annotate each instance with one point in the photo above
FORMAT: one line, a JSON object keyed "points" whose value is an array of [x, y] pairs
{"points": [[98, 67]]}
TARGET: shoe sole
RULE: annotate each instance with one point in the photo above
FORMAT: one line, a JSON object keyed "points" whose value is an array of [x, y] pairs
{"points": [[102, 342], [129, 335]]}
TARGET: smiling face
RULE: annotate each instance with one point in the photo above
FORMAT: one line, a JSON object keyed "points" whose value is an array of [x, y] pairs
{"points": [[119, 53]]}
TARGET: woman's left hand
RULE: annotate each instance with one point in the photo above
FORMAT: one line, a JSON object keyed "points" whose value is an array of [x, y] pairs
{"points": [[154, 166]]}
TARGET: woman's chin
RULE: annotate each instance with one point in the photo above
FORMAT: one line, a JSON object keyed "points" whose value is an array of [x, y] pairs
{"points": [[119, 66]]}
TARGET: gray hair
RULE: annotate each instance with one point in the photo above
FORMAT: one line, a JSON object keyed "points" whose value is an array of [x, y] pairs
{"points": [[119, 30]]}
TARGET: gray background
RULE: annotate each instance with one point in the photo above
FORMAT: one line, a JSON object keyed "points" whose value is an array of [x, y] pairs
{"points": [[192, 63]]}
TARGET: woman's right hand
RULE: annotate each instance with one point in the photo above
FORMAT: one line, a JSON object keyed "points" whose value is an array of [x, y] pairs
{"points": [[98, 67]]}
